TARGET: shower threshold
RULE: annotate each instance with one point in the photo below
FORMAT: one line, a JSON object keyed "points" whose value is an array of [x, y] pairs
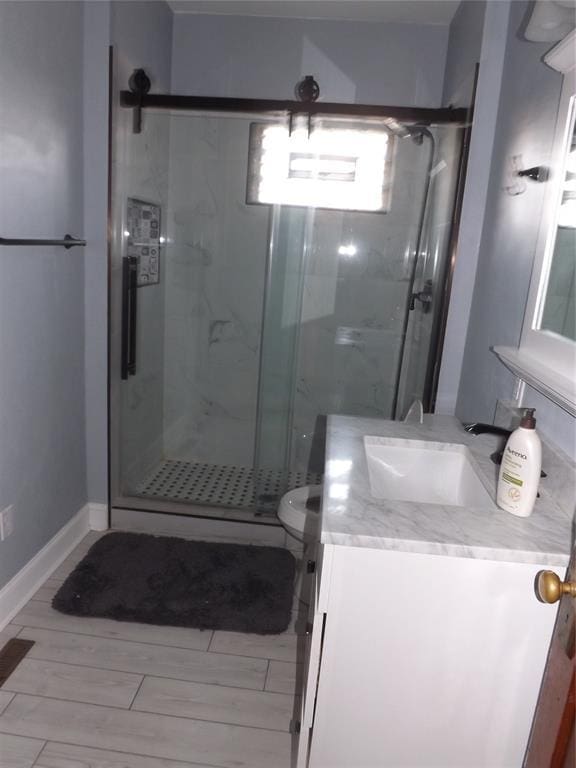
{"points": [[221, 486]]}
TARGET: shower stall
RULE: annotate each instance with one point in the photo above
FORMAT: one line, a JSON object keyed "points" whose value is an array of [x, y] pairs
{"points": [[271, 263]]}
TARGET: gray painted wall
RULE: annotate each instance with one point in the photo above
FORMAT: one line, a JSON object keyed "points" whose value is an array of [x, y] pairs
{"points": [[42, 446], [464, 50], [53, 302], [142, 34], [493, 39], [526, 119], [255, 57]]}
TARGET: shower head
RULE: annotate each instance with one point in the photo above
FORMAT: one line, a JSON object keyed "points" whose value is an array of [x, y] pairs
{"points": [[403, 131], [417, 133], [396, 128]]}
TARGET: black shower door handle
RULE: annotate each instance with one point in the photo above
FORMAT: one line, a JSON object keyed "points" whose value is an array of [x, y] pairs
{"points": [[129, 316]]}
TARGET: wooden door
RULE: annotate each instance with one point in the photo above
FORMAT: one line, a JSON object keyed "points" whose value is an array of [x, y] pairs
{"points": [[552, 739]]}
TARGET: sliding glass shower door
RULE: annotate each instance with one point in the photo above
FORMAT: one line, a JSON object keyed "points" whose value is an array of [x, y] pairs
{"points": [[372, 296], [262, 277]]}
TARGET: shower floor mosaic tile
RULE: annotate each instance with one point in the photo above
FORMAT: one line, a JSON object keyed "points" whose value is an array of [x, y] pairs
{"points": [[223, 486]]}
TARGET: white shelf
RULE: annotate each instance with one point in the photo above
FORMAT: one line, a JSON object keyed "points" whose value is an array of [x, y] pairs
{"points": [[551, 384]]}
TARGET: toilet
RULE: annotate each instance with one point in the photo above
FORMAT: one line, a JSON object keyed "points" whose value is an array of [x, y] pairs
{"points": [[299, 513]]}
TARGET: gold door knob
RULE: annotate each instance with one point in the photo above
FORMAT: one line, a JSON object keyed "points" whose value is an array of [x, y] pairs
{"points": [[550, 588]]}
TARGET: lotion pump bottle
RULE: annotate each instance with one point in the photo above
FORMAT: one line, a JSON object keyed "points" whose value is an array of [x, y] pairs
{"points": [[520, 469]]}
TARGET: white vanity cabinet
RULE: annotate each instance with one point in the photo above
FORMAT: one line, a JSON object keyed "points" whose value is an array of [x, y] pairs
{"points": [[421, 660]]}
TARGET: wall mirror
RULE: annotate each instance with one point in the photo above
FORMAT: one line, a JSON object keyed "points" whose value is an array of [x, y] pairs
{"points": [[546, 356], [558, 307]]}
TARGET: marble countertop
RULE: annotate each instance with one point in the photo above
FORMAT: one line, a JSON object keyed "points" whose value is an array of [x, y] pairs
{"points": [[352, 517]]}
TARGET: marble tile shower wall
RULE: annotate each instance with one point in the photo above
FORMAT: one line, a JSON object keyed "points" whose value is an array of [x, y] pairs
{"points": [[214, 283], [215, 265], [353, 309]]}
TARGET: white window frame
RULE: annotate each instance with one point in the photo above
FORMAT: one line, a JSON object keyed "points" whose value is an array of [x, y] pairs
{"points": [[546, 360]]}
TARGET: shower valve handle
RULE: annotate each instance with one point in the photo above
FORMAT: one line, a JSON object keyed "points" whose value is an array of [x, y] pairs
{"points": [[424, 297]]}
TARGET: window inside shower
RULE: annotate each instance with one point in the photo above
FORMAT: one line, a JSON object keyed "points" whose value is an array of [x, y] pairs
{"points": [[284, 293], [339, 166]]}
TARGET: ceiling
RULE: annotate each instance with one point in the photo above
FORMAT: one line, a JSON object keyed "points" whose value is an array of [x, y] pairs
{"points": [[388, 11]]}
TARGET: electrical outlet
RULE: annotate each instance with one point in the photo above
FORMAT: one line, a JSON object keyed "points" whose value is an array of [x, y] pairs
{"points": [[6, 522]]}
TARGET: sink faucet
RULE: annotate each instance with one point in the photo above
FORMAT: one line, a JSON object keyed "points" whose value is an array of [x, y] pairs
{"points": [[478, 428]]}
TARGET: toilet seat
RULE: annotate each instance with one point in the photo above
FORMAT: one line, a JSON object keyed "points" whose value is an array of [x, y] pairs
{"points": [[298, 515]]}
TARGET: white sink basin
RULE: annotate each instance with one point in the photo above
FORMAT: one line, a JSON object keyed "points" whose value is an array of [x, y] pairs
{"points": [[425, 472]]}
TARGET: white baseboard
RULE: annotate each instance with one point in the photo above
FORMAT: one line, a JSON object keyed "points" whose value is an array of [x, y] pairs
{"points": [[98, 516], [15, 594]]}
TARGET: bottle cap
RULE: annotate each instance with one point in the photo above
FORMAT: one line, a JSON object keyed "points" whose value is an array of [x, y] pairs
{"points": [[528, 421]]}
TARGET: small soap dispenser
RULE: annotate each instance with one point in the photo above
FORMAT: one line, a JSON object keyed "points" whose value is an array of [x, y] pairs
{"points": [[520, 469]]}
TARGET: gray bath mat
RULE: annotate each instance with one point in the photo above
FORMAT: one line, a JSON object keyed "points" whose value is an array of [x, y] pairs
{"points": [[169, 581]]}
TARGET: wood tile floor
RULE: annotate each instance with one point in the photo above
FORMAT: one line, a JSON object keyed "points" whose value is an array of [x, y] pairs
{"points": [[94, 693]]}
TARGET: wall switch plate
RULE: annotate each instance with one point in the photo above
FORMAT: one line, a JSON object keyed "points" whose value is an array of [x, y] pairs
{"points": [[6, 522]]}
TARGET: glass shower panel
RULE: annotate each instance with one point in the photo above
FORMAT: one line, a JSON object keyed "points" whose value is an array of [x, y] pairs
{"points": [[279, 345], [215, 277], [356, 288], [185, 421], [421, 353], [140, 189]]}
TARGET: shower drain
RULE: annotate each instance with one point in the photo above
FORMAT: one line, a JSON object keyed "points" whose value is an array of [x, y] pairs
{"points": [[220, 485]]}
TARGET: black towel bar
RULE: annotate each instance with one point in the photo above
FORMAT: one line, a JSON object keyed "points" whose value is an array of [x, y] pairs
{"points": [[67, 242]]}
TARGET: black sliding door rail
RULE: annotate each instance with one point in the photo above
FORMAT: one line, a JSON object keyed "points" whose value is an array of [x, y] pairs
{"points": [[67, 241], [419, 115]]}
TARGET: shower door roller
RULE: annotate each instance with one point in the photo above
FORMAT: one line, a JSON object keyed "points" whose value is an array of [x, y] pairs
{"points": [[129, 316]]}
